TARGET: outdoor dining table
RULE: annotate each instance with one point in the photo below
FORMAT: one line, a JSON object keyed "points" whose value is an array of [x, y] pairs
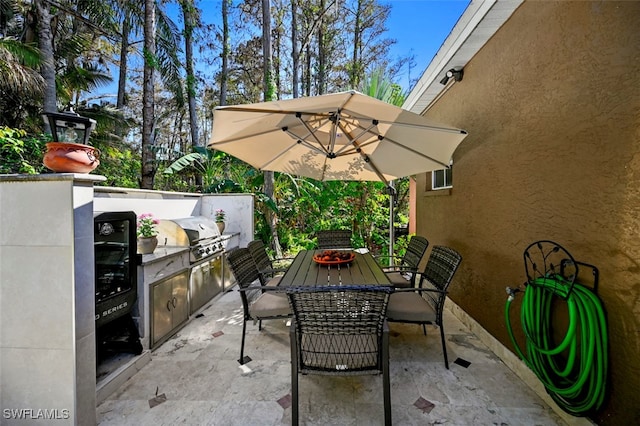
{"points": [[304, 271]]}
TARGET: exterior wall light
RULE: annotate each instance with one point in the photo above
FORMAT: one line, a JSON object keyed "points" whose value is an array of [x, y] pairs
{"points": [[455, 73]]}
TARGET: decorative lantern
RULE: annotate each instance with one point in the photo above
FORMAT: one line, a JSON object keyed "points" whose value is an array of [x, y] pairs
{"points": [[70, 152], [70, 126]]}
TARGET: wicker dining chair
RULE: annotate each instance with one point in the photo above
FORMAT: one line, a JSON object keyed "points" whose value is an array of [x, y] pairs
{"points": [[268, 267], [260, 300], [425, 304], [402, 272], [334, 239], [339, 330]]}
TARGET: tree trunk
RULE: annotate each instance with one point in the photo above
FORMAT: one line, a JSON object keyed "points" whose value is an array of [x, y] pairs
{"points": [[357, 40], [224, 72], [322, 60], [148, 133], [307, 74], [124, 48], [272, 219], [188, 10], [189, 25], [47, 69], [295, 53]]}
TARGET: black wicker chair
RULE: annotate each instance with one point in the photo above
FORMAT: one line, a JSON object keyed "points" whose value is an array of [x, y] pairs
{"points": [[268, 267], [339, 330], [425, 304], [334, 239], [260, 300], [403, 274]]}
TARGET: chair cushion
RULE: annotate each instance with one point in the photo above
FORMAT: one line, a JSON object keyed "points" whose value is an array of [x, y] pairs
{"points": [[270, 305], [409, 307], [398, 279]]}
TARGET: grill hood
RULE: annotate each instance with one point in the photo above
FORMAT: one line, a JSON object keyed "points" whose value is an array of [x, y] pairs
{"points": [[187, 232]]}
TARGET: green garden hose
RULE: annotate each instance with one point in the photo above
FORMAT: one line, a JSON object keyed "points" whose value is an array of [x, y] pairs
{"points": [[574, 372]]}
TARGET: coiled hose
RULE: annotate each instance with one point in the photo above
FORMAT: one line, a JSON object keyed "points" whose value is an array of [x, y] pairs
{"points": [[574, 372]]}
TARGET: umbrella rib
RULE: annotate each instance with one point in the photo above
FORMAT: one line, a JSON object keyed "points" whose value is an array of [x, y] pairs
{"points": [[265, 165], [353, 139], [369, 162], [400, 123], [418, 153], [303, 141], [335, 123], [312, 132], [394, 142]]}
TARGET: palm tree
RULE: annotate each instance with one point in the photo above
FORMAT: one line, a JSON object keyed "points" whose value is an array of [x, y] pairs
{"points": [[47, 68], [191, 18], [148, 137], [19, 79]]}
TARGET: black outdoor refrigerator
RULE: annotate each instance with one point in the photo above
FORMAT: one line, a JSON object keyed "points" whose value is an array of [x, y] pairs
{"points": [[115, 282]]}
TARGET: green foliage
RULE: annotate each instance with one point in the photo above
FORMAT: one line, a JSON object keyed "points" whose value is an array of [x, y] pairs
{"points": [[20, 153], [380, 86], [84, 48], [120, 165], [209, 164]]}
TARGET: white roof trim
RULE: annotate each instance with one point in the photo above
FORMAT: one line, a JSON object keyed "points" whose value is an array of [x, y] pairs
{"points": [[480, 20]]}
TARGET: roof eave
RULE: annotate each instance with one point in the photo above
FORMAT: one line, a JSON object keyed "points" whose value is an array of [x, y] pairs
{"points": [[479, 22]]}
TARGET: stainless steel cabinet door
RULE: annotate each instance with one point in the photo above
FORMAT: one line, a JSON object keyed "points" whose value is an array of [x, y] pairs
{"points": [[170, 308], [161, 323], [206, 282], [179, 299]]}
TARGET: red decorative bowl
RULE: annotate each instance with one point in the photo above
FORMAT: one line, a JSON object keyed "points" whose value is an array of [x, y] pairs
{"points": [[334, 257], [63, 157]]}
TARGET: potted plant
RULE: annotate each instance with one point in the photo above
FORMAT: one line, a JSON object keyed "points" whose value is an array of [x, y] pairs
{"points": [[219, 218], [147, 233]]}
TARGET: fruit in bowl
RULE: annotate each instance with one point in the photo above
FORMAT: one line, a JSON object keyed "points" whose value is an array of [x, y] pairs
{"points": [[334, 257]]}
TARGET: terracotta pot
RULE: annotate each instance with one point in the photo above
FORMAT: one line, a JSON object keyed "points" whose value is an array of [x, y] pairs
{"points": [[221, 226], [146, 245], [65, 157]]}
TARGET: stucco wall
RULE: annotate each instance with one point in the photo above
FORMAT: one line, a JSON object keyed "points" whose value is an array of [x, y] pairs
{"points": [[552, 107]]}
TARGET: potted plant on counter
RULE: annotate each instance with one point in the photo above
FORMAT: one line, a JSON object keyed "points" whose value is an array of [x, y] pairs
{"points": [[220, 215], [147, 233]]}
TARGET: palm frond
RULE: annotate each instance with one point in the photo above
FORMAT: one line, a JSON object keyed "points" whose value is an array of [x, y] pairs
{"points": [[17, 73]]}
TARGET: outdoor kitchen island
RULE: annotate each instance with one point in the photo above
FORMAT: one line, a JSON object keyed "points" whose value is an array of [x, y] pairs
{"points": [[184, 273], [48, 276]]}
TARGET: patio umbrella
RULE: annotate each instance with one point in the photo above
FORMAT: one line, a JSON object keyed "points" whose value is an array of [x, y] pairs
{"points": [[341, 136]]}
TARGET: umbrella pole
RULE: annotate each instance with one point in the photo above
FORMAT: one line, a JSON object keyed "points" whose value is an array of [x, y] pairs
{"points": [[392, 201]]}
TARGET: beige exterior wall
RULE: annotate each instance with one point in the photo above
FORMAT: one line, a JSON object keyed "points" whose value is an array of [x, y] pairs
{"points": [[552, 107]]}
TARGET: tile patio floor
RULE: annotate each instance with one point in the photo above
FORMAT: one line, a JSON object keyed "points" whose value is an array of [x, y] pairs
{"points": [[204, 384]]}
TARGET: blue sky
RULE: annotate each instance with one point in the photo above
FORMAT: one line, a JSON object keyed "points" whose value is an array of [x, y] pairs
{"points": [[420, 27]]}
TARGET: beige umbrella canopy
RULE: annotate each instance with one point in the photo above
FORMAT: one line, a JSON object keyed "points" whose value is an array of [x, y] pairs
{"points": [[341, 136]]}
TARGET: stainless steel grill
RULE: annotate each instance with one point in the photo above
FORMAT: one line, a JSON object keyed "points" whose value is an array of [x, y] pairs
{"points": [[199, 233]]}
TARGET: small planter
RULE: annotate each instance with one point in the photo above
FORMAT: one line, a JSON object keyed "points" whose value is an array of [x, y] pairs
{"points": [[146, 245], [221, 226], [63, 157]]}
